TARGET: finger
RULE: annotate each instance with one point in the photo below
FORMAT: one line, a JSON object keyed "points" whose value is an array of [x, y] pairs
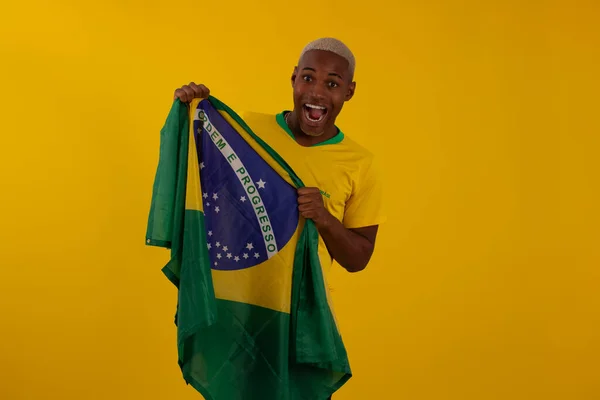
{"points": [[308, 214], [198, 90], [308, 190], [189, 93], [305, 214], [204, 91], [304, 199], [179, 94], [310, 198], [194, 87], [308, 207]]}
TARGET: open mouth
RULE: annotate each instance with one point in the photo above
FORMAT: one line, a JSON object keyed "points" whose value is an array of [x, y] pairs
{"points": [[314, 113]]}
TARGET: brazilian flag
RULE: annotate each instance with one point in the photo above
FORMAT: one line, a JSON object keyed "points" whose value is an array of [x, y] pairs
{"points": [[253, 318]]}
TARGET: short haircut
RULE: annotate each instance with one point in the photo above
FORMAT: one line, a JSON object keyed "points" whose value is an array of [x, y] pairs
{"points": [[335, 46]]}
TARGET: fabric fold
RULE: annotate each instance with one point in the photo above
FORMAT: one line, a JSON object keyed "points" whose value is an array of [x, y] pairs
{"points": [[253, 319]]}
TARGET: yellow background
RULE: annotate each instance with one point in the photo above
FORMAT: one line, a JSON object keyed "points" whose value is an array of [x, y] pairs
{"points": [[486, 281]]}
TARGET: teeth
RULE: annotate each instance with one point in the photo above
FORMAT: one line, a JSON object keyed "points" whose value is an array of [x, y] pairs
{"points": [[315, 107]]}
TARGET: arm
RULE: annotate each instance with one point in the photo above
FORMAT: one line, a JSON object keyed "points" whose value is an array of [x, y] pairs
{"points": [[351, 248]]}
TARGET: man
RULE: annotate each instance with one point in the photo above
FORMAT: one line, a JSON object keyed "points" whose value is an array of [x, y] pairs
{"points": [[345, 202], [343, 191]]}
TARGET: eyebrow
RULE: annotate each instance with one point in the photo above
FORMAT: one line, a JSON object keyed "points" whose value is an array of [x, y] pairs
{"points": [[314, 70]]}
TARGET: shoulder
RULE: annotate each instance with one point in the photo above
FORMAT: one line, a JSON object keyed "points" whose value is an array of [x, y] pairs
{"points": [[367, 173], [363, 159], [364, 206], [356, 148], [258, 117]]}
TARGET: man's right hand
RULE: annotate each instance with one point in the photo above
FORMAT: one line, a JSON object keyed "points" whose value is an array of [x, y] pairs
{"points": [[187, 93]]}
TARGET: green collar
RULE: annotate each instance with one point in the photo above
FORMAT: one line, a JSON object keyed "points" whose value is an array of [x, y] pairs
{"points": [[334, 140]]}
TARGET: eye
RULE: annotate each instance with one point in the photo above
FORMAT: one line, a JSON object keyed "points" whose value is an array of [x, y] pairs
{"points": [[307, 78], [333, 84]]}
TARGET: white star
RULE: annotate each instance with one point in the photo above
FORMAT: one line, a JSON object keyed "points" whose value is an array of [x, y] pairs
{"points": [[215, 196], [205, 195], [219, 256], [217, 209], [218, 244], [201, 165], [256, 255], [207, 204], [249, 246], [236, 258], [261, 184], [216, 263], [243, 199], [209, 246], [225, 248], [245, 255], [209, 233], [229, 255]]}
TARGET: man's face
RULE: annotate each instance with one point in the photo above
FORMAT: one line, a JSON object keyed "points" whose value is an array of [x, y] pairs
{"points": [[322, 83]]}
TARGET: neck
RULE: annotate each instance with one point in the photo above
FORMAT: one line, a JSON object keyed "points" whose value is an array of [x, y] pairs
{"points": [[302, 138]]}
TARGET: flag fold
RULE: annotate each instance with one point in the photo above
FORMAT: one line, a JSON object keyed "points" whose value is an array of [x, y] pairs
{"points": [[253, 317]]}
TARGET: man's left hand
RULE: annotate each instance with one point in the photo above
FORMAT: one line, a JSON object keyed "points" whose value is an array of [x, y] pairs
{"points": [[311, 206]]}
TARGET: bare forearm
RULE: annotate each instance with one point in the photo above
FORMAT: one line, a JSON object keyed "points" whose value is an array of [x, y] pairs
{"points": [[350, 249]]}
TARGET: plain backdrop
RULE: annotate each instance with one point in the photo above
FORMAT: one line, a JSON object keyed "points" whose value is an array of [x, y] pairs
{"points": [[486, 280]]}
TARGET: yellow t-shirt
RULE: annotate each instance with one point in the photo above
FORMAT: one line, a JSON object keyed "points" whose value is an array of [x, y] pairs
{"points": [[344, 171]]}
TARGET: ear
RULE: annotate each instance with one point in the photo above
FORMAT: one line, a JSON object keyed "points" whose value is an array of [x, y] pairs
{"points": [[294, 75], [350, 91]]}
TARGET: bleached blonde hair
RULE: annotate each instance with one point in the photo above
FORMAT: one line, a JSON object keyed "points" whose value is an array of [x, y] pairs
{"points": [[335, 46]]}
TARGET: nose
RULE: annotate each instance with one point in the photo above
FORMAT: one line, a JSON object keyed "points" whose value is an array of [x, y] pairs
{"points": [[318, 92]]}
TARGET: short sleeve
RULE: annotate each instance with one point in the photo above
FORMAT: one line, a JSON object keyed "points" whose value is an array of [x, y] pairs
{"points": [[365, 205]]}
